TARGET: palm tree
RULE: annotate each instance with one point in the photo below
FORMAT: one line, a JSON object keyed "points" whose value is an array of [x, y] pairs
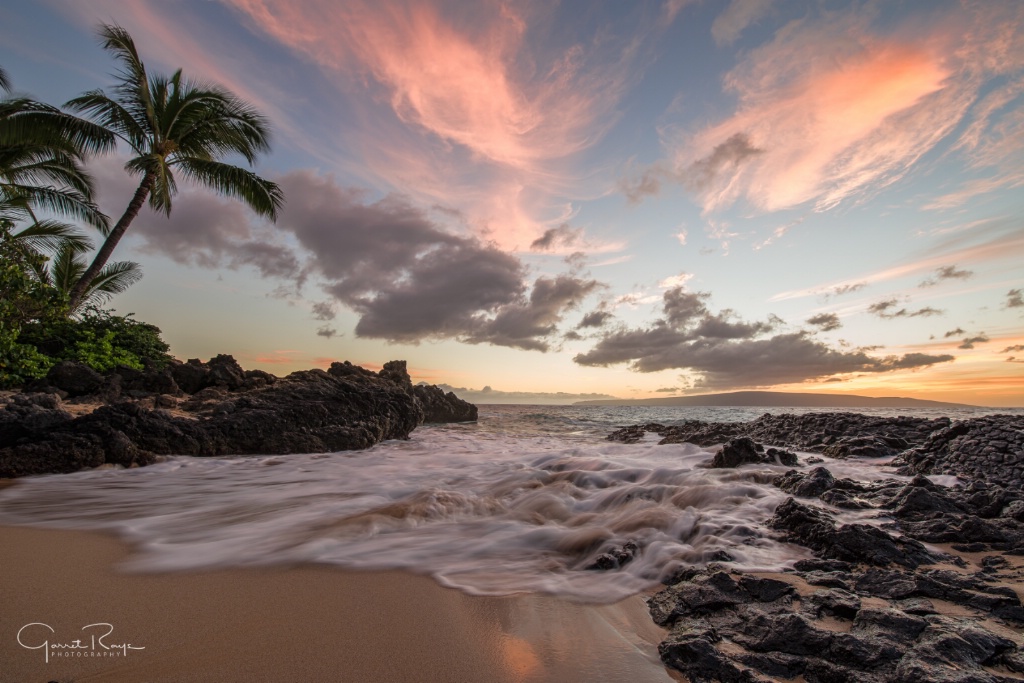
{"points": [[67, 267], [42, 150], [174, 125]]}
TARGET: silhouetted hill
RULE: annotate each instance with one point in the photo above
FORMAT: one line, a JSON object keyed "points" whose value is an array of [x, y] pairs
{"points": [[779, 399]]}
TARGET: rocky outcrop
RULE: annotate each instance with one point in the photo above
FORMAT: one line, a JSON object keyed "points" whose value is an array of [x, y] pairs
{"points": [[744, 451], [845, 434], [736, 452], [814, 528], [73, 379], [441, 407], [863, 609], [987, 448], [732, 627], [231, 412]]}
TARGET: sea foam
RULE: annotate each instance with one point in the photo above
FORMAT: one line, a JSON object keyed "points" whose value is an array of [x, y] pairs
{"points": [[524, 500]]}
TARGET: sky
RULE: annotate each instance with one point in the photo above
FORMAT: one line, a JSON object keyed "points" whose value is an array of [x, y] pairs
{"points": [[548, 202]]}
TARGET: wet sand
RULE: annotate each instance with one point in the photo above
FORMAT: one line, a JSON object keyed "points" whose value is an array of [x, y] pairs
{"points": [[299, 623]]}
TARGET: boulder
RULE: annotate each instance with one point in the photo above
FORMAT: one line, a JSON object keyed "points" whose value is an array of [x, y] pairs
{"points": [[438, 406], [814, 528], [191, 376], [74, 378], [736, 452]]}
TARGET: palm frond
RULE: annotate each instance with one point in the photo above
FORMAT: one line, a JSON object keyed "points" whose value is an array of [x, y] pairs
{"points": [[62, 202], [24, 120], [66, 268], [174, 123], [5, 81], [263, 196], [133, 85], [40, 166], [113, 279], [53, 237], [117, 277], [113, 116]]}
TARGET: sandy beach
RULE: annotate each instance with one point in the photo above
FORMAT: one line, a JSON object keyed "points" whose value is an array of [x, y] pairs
{"points": [[298, 623]]}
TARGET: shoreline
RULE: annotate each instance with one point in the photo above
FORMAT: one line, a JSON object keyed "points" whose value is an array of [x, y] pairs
{"points": [[297, 623]]}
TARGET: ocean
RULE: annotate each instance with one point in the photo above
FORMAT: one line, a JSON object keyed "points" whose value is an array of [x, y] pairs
{"points": [[524, 500]]}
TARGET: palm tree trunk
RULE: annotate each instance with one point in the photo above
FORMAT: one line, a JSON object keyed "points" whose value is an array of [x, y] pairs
{"points": [[100, 260]]}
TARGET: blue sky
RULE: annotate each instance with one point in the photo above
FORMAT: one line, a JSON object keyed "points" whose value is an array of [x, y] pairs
{"points": [[628, 199]]}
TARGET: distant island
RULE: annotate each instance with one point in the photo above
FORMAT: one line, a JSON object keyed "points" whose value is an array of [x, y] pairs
{"points": [[779, 399]]}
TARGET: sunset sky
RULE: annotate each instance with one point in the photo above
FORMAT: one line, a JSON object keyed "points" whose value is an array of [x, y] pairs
{"points": [[594, 198]]}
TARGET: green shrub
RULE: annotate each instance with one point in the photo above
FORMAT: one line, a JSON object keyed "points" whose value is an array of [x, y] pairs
{"points": [[19, 363], [36, 332], [99, 339], [23, 299]]}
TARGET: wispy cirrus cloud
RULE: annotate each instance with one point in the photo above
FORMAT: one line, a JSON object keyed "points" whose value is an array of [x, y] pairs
{"points": [[986, 243], [466, 109], [740, 14], [463, 107], [857, 116]]}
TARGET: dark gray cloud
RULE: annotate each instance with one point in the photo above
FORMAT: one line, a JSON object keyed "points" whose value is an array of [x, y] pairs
{"points": [[946, 273], [1013, 349], [596, 318], [826, 322], [526, 323], [696, 177], [211, 232], [888, 309], [667, 390], [719, 326], [689, 337], [971, 341], [954, 333], [324, 310], [1014, 299], [681, 307], [407, 278], [410, 280], [562, 236]]}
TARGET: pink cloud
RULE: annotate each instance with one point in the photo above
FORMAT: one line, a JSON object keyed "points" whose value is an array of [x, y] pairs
{"points": [[832, 111], [452, 106], [480, 118], [177, 40]]}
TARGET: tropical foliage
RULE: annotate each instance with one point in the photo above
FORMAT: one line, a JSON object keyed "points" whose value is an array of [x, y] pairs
{"points": [[42, 151], [23, 299], [174, 128], [174, 125], [42, 155], [99, 339]]}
